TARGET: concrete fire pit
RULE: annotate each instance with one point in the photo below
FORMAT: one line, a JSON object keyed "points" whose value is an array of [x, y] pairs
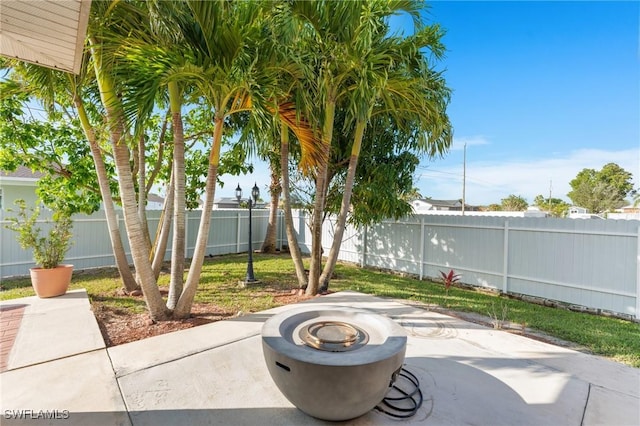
{"points": [[332, 362]]}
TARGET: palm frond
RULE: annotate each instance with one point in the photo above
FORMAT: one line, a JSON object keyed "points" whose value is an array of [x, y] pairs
{"points": [[310, 143]]}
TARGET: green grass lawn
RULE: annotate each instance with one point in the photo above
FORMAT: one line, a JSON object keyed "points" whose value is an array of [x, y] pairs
{"points": [[610, 337]]}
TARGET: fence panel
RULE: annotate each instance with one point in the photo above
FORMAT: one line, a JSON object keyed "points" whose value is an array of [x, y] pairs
{"points": [[394, 246], [592, 263], [350, 249], [91, 246], [224, 232], [584, 262], [303, 233], [472, 246]]}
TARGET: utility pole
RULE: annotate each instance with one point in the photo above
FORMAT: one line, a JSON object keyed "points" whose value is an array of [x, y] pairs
{"points": [[550, 187], [464, 175]]}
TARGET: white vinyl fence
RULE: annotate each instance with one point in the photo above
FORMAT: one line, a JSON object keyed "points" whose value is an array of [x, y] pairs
{"points": [[91, 247], [591, 263]]}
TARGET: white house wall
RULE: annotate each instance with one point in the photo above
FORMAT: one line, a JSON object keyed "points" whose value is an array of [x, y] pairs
{"points": [[12, 191]]}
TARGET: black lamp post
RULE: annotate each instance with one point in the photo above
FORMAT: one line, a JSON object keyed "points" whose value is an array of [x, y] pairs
{"points": [[255, 194]]}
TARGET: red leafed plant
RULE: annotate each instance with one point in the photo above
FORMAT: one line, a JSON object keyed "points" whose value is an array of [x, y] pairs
{"points": [[449, 279]]}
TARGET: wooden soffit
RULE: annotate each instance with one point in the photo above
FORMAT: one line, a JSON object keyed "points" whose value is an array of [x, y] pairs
{"points": [[50, 33]]}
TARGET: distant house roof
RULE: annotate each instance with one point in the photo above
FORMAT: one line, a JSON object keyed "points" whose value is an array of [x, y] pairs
{"points": [[155, 198], [232, 203], [226, 203], [578, 209], [22, 173], [443, 203], [630, 209], [427, 204]]}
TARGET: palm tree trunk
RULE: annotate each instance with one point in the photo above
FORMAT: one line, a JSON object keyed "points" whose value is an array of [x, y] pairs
{"points": [[137, 242], [344, 208], [142, 193], [122, 263], [160, 246], [183, 308], [178, 248], [162, 235], [294, 248], [161, 144], [321, 188], [275, 189], [137, 239]]}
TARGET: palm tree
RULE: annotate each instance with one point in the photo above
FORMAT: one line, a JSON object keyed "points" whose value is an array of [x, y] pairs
{"points": [[153, 67], [393, 78], [179, 197], [218, 46], [155, 56], [349, 63], [289, 120], [275, 189], [294, 247], [122, 262], [279, 58], [118, 137], [107, 28], [219, 36], [329, 31], [235, 73]]}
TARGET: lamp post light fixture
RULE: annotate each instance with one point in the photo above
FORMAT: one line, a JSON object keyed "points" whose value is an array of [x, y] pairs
{"points": [[255, 194]]}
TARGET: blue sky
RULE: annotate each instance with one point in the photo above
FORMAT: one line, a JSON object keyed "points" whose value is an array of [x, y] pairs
{"points": [[541, 90]]}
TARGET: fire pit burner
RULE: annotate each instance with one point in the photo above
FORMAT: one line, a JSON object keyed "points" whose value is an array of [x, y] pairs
{"points": [[333, 336]]}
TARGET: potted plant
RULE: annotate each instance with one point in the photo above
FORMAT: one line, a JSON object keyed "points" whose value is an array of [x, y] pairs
{"points": [[50, 277]]}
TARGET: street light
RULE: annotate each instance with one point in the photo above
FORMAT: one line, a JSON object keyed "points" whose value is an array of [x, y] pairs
{"points": [[255, 194]]}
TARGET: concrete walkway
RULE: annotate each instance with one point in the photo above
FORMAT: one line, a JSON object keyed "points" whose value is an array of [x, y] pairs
{"points": [[60, 372]]}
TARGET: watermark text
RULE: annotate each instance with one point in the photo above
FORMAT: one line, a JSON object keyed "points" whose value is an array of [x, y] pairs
{"points": [[36, 414]]}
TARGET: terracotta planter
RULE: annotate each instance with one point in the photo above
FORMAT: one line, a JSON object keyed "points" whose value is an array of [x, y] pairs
{"points": [[51, 282]]}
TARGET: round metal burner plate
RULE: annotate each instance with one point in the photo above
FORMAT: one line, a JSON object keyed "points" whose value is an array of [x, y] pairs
{"points": [[333, 336]]}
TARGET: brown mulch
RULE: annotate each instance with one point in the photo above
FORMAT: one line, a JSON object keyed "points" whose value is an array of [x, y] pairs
{"points": [[119, 326]]}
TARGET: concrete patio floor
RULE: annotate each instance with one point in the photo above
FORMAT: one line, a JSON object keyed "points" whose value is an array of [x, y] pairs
{"points": [[215, 374]]}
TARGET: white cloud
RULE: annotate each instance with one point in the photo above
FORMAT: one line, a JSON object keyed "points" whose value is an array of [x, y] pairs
{"points": [[459, 143], [489, 182]]}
